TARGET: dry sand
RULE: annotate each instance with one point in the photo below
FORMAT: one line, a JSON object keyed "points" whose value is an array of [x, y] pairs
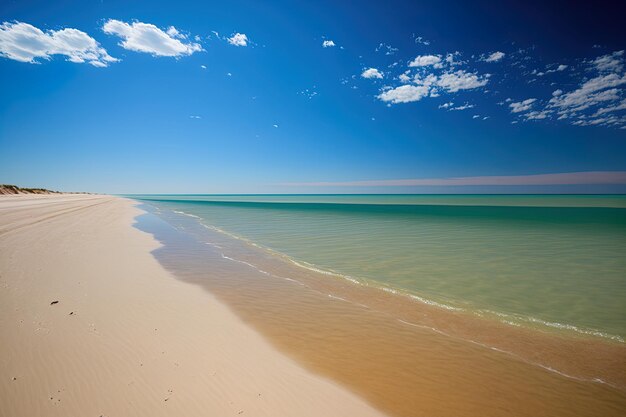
{"points": [[125, 338]]}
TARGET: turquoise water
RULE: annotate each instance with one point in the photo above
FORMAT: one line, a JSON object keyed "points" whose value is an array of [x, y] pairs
{"points": [[556, 261]]}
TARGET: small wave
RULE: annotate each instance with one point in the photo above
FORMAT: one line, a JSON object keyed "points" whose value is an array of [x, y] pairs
{"points": [[509, 319], [514, 319], [506, 352], [245, 263], [311, 267], [187, 214], [421, 299]]}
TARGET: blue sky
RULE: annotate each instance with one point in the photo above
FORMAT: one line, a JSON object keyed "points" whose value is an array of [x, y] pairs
{"points": [[256, 97]]}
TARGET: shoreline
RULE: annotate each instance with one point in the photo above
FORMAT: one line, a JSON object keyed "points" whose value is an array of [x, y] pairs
{"points": [[338, 329], [92, 324], [485, 328], [512, 319]]}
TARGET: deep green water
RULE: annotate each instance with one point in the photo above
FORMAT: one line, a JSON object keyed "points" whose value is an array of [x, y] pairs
{"points": [[556, 261]]}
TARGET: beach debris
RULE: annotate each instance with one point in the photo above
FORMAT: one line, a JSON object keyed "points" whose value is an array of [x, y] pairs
{"points": [[169, 394], [54, 302], [71, 313], [14, 378]]}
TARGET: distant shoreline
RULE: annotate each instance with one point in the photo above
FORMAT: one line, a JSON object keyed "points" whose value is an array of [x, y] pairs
{"points": [[8, 189]]}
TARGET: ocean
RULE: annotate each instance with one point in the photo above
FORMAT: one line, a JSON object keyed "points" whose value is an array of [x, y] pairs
{"points": [[554, 262], [424, 305]]}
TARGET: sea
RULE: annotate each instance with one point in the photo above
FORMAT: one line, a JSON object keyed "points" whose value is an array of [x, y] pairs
{"points": [[424, 305], [547, 261]]}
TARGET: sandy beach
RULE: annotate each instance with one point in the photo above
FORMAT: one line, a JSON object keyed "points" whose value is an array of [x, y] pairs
{"points": [[92, 325]]}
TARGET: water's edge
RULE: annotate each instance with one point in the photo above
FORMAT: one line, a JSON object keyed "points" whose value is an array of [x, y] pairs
{"points": [[534, 326]]}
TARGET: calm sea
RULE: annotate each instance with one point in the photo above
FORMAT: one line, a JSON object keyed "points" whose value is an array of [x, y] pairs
{"points": [[554, 262]]}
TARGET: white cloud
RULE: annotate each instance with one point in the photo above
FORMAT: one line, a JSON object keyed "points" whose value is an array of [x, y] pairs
{"points": [[371, 73], [421, 40], [609, 63], [432, 85], [195, 117], [537, 115], [404, 94], [451, 59], [203, 66], [309, 92], [426, 60], [616, 107], [404, 77], [589, 93], [275, 126], [146, 37], [427, 81], [605, 121], [463, 107], [476, 116], [522, 106], [461, 80], [328, 44], [494, 57], [595, 101], [238, 39], [446, 105], [26, 43], [389, 50]]}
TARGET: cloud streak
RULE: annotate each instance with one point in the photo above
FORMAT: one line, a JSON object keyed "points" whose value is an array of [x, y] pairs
{"points": [[565, 178], [494, 57]]}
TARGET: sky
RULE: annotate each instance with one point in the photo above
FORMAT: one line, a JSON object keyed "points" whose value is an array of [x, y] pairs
{"points": [[313, 97]]}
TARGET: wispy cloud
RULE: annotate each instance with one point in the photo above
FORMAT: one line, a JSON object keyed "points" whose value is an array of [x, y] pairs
{"points": [[598, 100], [566, 178], [494, 57], [238, 39], [388, 49], [421, 40], [462, 107], [521, 106], [610, 63], [146, 37], [26, 43]]}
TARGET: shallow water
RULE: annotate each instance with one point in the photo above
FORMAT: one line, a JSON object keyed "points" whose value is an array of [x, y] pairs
{"points": [[406, 357], [556, 262]]}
